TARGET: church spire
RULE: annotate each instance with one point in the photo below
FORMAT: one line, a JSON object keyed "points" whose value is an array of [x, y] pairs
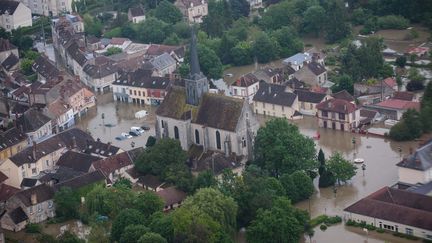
{"points": [[194, 62]]}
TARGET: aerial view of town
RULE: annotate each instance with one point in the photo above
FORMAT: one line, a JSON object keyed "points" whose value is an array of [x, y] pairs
{"points": [[195, 121]]}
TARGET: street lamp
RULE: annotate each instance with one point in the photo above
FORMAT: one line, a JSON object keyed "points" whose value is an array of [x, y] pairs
{"points": [[400, 152], [103, 118], [334, 189], [363, 168]]}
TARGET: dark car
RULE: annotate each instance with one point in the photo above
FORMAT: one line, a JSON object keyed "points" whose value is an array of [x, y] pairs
{"points": [[145, 128], [133, 133]]}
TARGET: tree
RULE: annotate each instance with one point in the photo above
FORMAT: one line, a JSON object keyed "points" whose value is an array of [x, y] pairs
{"points": [[401, 61], [219, 207], [278, 15], [148, 203], [123, 182], [172, 40], [280, 223], [240, 8], [288, 41], [125, 218], [426, 108], [416, 80], [210, 63], [242, 54], [92, 26], [313, 19], [218, 19], [298, 186], [132, 233], [67, 203], [167, 12], [410, 127], [98, 234], [26, 66], [152, 238], [321, 160], [280, 148], [113, 50], [68, 237], [205, 179], [153, 31], [151, 141], [162, 224], [264, 48], [343, 82], [336, 27], [128, 31], [109, 201], [342, 169]]}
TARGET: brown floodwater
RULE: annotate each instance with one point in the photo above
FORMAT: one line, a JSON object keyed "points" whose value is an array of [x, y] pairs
{"points": [[380, 155]]}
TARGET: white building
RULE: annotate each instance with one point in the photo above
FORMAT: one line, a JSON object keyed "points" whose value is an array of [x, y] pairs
{"points": [[395, 210], [136, 14], [14, 15], [417, 167], [338, 114], [245, 87], [193, 10], [48, 7]]}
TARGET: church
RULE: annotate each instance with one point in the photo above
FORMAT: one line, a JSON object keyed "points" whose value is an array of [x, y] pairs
{"points": [[213, 122]]}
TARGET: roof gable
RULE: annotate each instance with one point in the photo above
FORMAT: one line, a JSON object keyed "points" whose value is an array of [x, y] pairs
{"points": [[275, 94]]}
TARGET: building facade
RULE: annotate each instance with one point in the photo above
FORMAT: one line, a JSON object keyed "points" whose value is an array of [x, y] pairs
{"points": [[338, 114], [14, 15]]}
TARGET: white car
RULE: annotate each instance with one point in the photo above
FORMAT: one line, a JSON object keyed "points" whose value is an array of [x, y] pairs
{"points": [[137, 130], [141, 114], [126, 135]]}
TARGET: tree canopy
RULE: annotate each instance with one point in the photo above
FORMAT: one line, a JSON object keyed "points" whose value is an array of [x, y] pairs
{"points": [[341, 169]]}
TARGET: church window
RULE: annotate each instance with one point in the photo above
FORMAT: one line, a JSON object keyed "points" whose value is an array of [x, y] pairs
{"points": [[243, 142], [197, 138], [176, 132], [218, 140], [162, 123]]}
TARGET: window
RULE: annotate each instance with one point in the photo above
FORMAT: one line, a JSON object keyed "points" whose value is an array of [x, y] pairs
{"points": [[341, 116], [408, 231], [23, 174], [31, 209], [324, 113], [162, 123], [197, 138], [243, 142], [130, 92], [39, 208], [176, 132], [139, 93], [47, 162], [135, 92], [34, 171], [218, 140], [50, 204]]}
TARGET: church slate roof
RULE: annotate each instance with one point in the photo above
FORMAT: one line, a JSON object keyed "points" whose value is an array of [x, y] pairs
{"points": [[174, 105], [219, 112]]}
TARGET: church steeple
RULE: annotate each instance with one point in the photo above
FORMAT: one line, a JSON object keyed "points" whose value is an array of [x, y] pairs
{"points": [[196, 84]]}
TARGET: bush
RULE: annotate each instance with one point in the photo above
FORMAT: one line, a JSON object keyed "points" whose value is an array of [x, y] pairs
{"points": [[323, 227], [33, 228], [379, 230], [333, 220], [393, 22], [318, 220], [351, 223], [370, 227]]}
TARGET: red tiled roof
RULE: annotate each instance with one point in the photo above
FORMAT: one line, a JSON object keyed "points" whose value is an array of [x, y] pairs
{"points": [[391, 82], [246, 80], [403, 95], [118, 41], [3, 177], [396, 205], [418, 49], [113, 163], [399, 104], [7, 191], [337, 105]]}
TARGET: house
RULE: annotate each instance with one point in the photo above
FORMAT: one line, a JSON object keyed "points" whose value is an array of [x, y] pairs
{"points": [[298, 60], [45, 68], [6, 191], [215, 162], [338, 114], [99, 73], [163, 65], [245, 87], [7, 49], [35, 124], [276, 100], [419, 51], [193, 10], [194, 116], [100, 149], [11, 63], [368, 117], [61, 114], [177, 52], [390, 55], [12, 141], [395, 210], [136, 14], [148, 182], [344, 95], [269, 75], [404, 95], [394, 108], [313, 74], [139, 87], [115, 166], [172, 197], [77, 161], [13, 15], [42, 156], [308, 100], [417, 167], [385, 88], [255, 4], [49, 8]]}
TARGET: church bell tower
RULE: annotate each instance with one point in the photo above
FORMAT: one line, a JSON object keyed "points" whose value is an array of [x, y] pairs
{"points": [[196, 83]]}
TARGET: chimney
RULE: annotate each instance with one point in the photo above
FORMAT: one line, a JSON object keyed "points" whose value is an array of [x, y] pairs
{"points": [[269, 89], [74, 144], [33, 199], [34, 150]]}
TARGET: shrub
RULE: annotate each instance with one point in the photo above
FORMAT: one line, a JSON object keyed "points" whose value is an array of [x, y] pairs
{"points": [[392, 22], [318, 220], [33, 228], [323, 227], [380, 230], [333, 220], [351, 223], [370, 227]]}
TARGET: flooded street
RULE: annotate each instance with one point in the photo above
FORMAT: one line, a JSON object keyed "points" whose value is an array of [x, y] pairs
{"points": [[119, 118], [380, 157]]}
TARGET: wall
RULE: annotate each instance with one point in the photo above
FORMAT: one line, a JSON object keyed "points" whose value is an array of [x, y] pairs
{"points": [[412, 176], [10, 151], [349, 122], [275, 110]]}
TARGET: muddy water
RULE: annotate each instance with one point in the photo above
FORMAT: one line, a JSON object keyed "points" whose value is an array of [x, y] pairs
{"points": [[122, 117], [380, 157]]}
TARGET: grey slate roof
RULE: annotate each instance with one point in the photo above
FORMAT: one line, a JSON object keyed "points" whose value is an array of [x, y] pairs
{"points": [[420, 160], [137, 11], [10, 61], [75, 52], [163, 61], [80, 181], [28, 182], [43, 193], [8, 6], [32, 120], [5, 44], [309, 96], [11, 137], [316, 68], [344, 95], [139, 78], [77, 161], [298, 58], [274, 94], [18, 215], [45, 67]]}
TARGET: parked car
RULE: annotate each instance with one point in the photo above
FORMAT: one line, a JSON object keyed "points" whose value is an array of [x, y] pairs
{"points": [[134, 134], [145, 128], [123, 136], [137, 130]]}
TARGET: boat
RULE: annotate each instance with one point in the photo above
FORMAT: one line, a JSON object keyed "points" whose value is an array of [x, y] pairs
{"points": [[359, 161], [141, 114]]}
